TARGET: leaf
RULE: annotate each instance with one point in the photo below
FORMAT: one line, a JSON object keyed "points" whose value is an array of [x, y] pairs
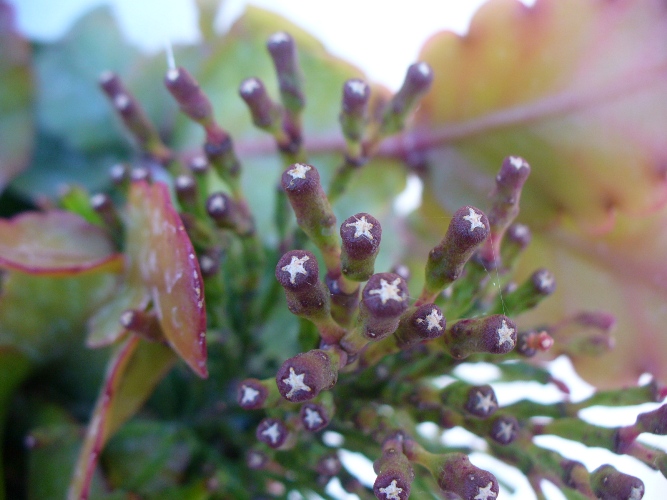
{"points": [[44, 317], [14, 368], [55, 243], [132, 374], [578, 89], [16, 98], [160, 247]]}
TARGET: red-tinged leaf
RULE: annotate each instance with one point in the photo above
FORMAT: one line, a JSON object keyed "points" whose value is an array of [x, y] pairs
{"points": [[16, 95], [132, 373], [170, 271], [55, 243], [578, 89]]}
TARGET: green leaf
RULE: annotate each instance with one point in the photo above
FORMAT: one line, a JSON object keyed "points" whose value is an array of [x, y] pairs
{"points": [[55, 243], [160, 247], [132, 374], [16, 98], [43, 317], [579, 91]]}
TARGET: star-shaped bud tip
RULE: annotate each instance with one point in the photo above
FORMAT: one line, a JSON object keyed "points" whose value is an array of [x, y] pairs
{"points": [[475, 219]]}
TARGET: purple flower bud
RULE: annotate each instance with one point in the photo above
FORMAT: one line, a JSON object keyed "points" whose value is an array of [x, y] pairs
{"points": [[314, 417], [298, 271], [504, 429], [356, 94], [394, 475], [251, 394], [282, 48], [209, 262], [256, 460], [191, 99], [654, 421], [540, 285], [544, 282], [305, 375], [119, 174], [493, 334], [481, 401], [138, 174], [228, 214], [329, 465], [425, 323], [265, 113], [529, 343], [457, 475], [576, 476], [467, 230], [186, 190], [384, 300], [418, 80], [104, 206], [272, 432], [361, 235], [608, 483], [198, 165]]}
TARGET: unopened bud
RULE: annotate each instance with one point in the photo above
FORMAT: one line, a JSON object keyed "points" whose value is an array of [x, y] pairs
{"points": [[314, 417], [265, 113], [417, 83], [361, 235], [504, 429], [493, 334], [228, 214], [282, 48], [272, 432], [251, 394], [608, 483], [305, 375], [384, 300], [356, 94], [426, 322]]}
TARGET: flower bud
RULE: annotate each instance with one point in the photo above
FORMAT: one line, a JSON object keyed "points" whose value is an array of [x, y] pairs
{"points": [[493, 334], [265, 113], [455, 474], [272, 432], [228, 214], [314, 417], [305, 375], [529, 343], [654, 421], [466, 232], [356, 94], [516, 240], [576, 476], [282, 48], [477, 400], [504, 429], [343, 305], [529, 294], [329, 465], [251, 394], [104, 206], [361, 235], [191, 99], [505, 206], [256, 460], [141, 174], [384, 300], [133, 116], [394, 475], [313, 212], [417, 83], [119, 175], [609, 484], [426, 322], [186, 192]]}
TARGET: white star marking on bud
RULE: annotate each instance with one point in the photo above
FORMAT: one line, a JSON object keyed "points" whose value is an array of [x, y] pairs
{"points": [[295, 267], [433, 320], [272, 432], [505, 334], [546, 280], [392, 492], [298, 171], [505, 432], [485, 493], [217, 204], [249, 394], [636, 493], [424, 69], [295, 382], [312, 418], [485, 403], [388, 291], [361, 228], [249, 86], [475, 219], [279, 37], [517, 162], [357, 87]]}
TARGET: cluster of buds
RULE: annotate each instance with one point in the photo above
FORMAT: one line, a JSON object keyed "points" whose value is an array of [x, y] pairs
{"points": [[372, 347]]}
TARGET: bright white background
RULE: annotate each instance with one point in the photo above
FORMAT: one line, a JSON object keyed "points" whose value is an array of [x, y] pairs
{"points": [[383, 38]]}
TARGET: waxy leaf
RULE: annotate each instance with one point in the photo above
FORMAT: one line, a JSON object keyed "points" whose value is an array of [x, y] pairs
{"points": [[132, 374], [16, 95], [578, 89], [55, 243], [169, 269]]}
